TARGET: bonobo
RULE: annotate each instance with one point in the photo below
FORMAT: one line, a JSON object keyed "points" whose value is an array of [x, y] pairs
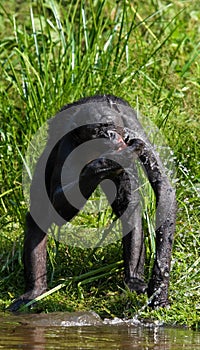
{"points": [[89, 141]]}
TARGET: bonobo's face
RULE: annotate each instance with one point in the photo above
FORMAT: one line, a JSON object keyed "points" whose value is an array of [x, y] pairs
{"points": [[117, 140], [112, 139]]}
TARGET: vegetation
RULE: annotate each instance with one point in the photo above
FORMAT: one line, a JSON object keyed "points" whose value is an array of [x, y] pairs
{"points": [[54, 52]]}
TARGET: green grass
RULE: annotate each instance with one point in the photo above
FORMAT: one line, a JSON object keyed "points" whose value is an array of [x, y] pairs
{"points": [[53, 53]]}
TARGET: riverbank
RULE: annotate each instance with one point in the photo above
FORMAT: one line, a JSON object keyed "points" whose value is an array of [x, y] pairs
{"points": [[54, 53]]}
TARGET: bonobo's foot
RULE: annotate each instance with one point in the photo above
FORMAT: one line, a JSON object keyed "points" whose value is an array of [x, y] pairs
{"points": [[23, 300], [156, 302], [16, 304], [136, 285], [158, 296]]}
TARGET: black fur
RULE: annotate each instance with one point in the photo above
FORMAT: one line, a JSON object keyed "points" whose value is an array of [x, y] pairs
{"points": [[119, 135]]}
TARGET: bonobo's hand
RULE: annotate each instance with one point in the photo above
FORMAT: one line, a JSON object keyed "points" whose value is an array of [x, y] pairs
{"points": [[112, 163], [136, 146]]}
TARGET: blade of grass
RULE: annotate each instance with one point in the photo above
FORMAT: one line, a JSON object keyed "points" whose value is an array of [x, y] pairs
{"points": [[82, 279]]}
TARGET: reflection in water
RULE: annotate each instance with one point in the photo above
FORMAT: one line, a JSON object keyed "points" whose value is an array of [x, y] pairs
{"points": [[88, 331]]}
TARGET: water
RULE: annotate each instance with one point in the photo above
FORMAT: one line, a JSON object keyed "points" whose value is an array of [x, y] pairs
{"points": [[87, 331]]}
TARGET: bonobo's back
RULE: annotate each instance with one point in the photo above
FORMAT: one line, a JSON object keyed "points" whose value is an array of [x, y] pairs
{"points": [[110, 99], [104, 109]]}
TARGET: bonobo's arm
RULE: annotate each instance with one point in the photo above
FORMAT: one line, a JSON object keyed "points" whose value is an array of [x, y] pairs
{"points": [[165, 203], [165, 221]]}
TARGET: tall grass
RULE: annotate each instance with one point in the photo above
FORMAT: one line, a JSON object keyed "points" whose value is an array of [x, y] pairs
{"points": [[53, 53]]}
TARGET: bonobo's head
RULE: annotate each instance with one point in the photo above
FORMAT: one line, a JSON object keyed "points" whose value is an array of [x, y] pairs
{"points": [[96, 117], [104, 109]]}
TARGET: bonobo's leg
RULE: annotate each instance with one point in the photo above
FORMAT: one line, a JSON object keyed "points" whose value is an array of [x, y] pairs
{"points": [[34, 254], [35, 241], [165, 222], [34, 259], [126, 206]]}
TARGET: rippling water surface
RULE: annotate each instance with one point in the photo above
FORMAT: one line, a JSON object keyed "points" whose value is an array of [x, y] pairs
{"points": [[87, 331]]}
